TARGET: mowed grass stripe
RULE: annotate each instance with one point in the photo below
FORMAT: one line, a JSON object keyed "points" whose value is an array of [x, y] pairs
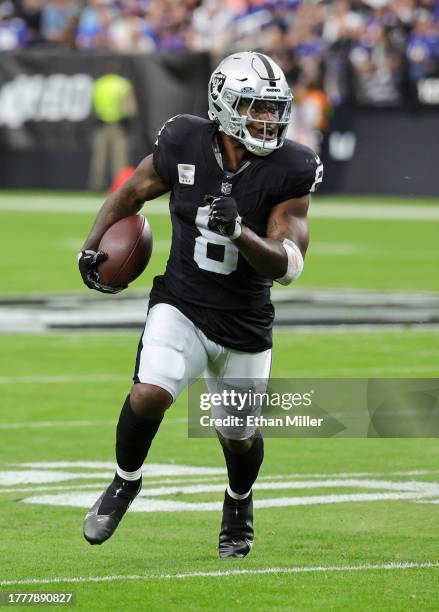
{"points": [[378, 257], [359, 372], [296, 354], [321, 208], [377, 236]]}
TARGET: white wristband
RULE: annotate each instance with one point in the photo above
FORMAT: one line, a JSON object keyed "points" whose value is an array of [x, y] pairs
{"points": [[238, 229], [295, 263]]}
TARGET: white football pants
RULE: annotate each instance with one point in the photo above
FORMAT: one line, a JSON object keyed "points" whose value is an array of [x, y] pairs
{"points": [[173, 352]]}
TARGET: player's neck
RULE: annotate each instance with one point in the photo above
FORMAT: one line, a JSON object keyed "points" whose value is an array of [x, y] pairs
{"points": [[234, 153]]}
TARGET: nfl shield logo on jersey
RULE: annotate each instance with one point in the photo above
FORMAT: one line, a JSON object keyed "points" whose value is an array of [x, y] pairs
{"points": [[226, 188], [186, 174]]}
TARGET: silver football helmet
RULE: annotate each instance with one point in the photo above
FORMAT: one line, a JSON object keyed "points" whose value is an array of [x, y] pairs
{"points": [[250, 99]]}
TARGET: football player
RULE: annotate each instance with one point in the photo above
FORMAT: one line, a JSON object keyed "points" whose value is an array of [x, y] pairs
{"points": [[239, 202]]}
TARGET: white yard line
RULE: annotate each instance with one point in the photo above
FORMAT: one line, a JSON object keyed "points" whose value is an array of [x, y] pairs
{"points": [[147, 483], [423, 488], [85, 500], [183, 481], [67, 424], [430, 489], [229, 573]]}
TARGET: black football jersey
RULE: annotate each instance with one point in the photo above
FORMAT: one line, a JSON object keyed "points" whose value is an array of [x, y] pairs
{"points": [[206, 277]]}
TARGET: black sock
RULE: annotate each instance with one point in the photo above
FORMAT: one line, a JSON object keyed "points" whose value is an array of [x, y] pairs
{"points": [[243, 468], [133, 438]]}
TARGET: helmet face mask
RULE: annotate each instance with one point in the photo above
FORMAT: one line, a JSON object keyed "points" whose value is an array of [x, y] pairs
{"points": [[266, 119], [250, 99]]}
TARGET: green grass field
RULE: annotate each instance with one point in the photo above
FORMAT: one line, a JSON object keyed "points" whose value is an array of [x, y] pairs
{"points": [[359, 529], [396, 250]]}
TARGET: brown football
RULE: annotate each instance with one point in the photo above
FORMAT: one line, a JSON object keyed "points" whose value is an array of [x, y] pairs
{"points": [[128, 244]]}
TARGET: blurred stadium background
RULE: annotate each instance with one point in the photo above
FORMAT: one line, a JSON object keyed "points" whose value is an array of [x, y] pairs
{"points": [[365, 76], [84, 88]]}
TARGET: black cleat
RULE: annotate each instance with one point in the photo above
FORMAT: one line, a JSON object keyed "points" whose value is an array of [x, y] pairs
{"points": [[103, 518], [236, 535]]}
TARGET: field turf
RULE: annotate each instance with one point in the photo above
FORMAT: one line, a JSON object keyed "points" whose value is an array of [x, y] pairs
{"points": [[360, 529], [41, 235]]}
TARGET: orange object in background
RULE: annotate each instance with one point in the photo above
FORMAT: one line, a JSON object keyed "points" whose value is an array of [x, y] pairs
{"points": [[121, 177]]}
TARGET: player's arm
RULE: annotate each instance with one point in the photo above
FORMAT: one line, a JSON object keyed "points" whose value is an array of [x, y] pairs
{"points": [[280, 254], [145, 184]]}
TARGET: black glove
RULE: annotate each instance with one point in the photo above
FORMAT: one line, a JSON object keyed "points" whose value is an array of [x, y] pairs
{"points": [[88, 262], [223, 216]]}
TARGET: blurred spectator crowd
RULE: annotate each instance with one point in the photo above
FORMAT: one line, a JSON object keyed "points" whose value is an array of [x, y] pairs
{"points": [[376, 48]]}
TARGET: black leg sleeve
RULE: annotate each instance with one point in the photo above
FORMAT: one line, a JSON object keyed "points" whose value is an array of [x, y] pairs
{"points": [[133, 438], [243, 468]]}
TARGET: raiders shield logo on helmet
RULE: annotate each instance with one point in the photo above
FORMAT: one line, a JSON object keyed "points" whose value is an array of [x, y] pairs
{"points": [[216, 84]]}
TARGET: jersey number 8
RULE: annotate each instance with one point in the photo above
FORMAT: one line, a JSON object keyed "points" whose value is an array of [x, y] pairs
{"points": [[213, 252]]}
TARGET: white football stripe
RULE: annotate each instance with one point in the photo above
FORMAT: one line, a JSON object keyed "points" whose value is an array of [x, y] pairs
{"points": [[44, 472], [66, 424], [11, 477], [229, 573], [85, 500], [276, 482], [205, 484], [74, 486], [412, 487]]}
